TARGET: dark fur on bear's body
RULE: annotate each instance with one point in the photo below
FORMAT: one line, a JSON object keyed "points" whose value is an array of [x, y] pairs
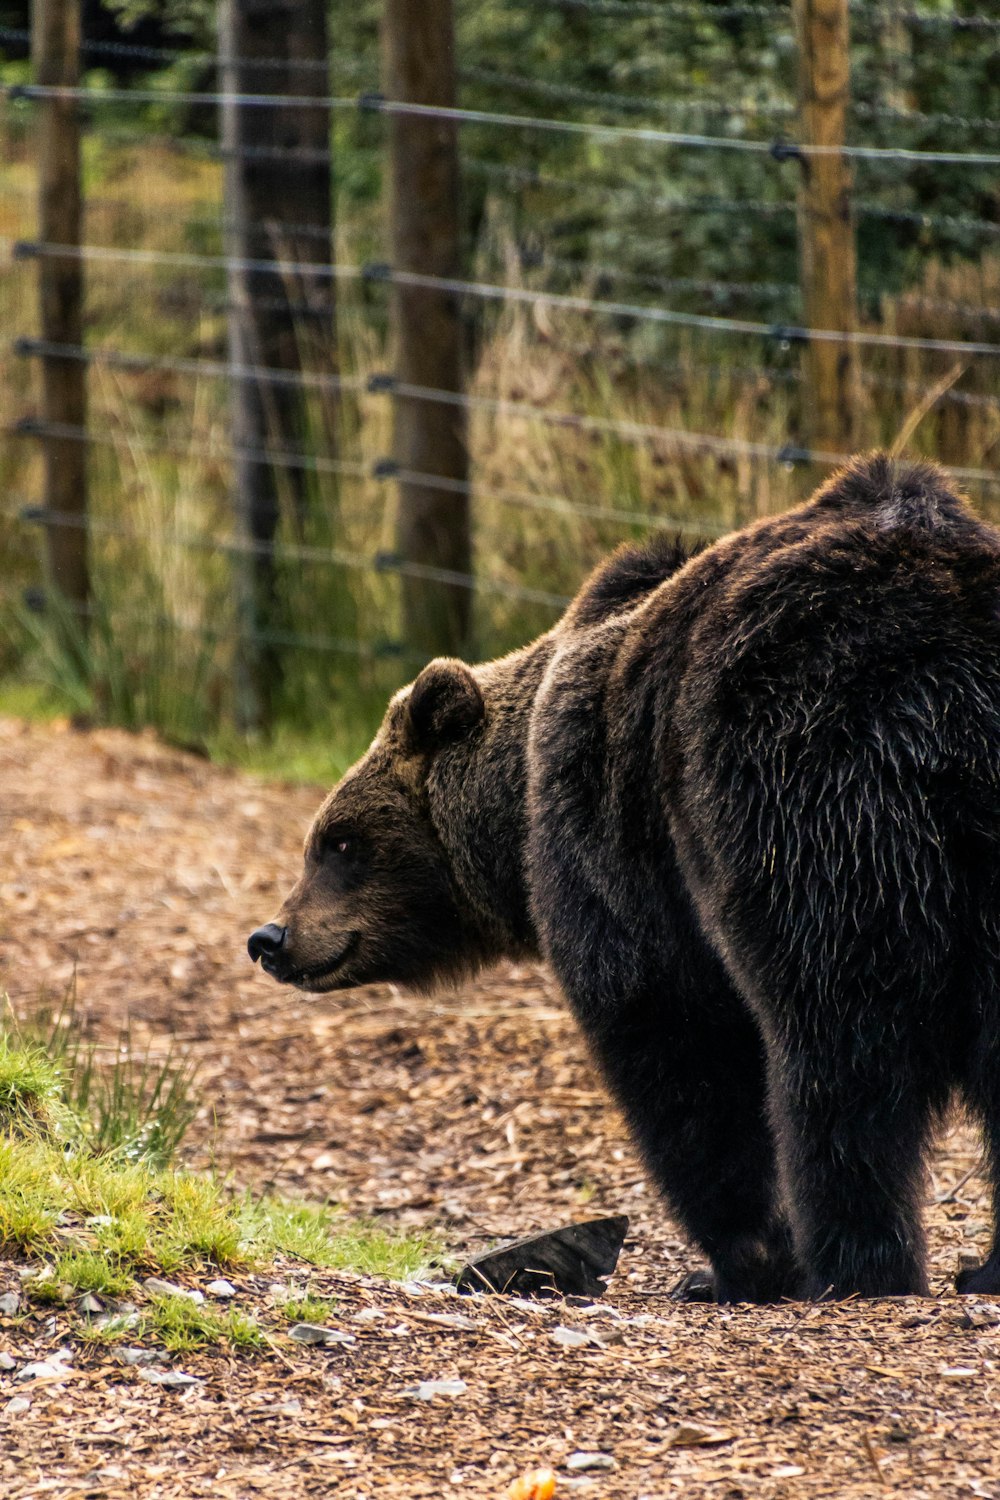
{"points": [[748, 804]]}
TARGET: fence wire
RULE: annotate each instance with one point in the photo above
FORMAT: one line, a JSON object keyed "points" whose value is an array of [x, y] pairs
{"points": [[743, 120], [380, 272], [779, 150]]}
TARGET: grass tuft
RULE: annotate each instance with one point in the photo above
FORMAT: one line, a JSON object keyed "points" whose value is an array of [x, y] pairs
{"points": [[182, 1325], [31, 1088], [309, 1309], [133, 1104], [324, 1237]]}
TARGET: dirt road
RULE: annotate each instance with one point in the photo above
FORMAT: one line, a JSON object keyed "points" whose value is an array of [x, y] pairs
{"points": [[140, 870]]}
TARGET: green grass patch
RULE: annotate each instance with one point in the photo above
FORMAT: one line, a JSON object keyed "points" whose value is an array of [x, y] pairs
{"points": [[27, 700], [325, 1237], [102, 1222], [89, 1189]]}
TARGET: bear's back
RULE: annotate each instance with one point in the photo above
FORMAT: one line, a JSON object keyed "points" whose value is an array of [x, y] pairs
{"points": [[831, 717], [885, 567]]}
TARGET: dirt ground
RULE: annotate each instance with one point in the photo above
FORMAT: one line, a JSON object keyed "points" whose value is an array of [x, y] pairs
{"points": [[140, 870]]}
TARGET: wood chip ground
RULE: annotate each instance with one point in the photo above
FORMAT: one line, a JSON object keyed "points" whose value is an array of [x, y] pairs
{"points": [[139, 871]]}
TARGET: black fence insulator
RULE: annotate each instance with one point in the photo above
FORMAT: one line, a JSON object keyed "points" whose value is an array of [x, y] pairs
{"points": [[388, 650], [789, 333], [33, 515], [25, 250], [381, 384], [792, 454], [26, 427], [385, 468], [34, 600], [387, 562], [782, 150], [376, 270], [371, 101]]}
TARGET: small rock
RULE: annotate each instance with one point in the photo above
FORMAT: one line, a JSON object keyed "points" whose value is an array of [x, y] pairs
{"points": [[89, 1305], [158, 1288], [577, 1462], [42, 1369], [117, 1322], [141, 1357], [99, 1221], [525, 1304], [973, 1229], [6, 1362], [428, 1389], [693, 1435], [9, 1304], [312, 1333], [456, 1321], [16, 1405], [172, 1379], [368, 1315], [976, 1314], [36, 1273], [574, 1338], [221, 1288]]}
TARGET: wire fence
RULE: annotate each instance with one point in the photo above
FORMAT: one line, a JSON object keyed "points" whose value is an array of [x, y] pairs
{"points": [[626, 282]]}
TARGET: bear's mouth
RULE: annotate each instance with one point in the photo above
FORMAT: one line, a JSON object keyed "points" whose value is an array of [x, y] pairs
{"points": [[316, 979]]}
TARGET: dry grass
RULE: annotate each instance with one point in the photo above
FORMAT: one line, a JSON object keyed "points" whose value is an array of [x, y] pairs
{"points": [[160, 471]]}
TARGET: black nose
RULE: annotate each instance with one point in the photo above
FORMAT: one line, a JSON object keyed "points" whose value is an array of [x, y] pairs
{"points": [[266, 942]]}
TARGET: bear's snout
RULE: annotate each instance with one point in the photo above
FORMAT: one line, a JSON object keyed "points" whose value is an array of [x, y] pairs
{"points": [[266, 944]]}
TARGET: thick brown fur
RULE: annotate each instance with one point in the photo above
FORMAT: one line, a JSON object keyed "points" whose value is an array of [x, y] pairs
{"points": [[747, 803]]}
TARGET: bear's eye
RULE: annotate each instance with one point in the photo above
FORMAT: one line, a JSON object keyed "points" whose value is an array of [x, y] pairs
{"points": [[337, 845]]}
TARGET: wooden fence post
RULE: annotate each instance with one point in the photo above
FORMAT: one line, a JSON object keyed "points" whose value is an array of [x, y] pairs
{"points": [[55, 55], [279, 210], [430, 436], [826, 229]]}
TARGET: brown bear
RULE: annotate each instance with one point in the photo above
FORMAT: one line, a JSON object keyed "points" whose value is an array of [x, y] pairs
{"points": [[747, 804]]}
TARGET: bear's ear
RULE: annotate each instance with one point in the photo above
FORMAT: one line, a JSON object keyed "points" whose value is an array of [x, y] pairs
{"points": [[445, 703]]}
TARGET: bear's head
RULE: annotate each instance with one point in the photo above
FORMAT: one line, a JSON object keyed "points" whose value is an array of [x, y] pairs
{"points": [[378, 899]]}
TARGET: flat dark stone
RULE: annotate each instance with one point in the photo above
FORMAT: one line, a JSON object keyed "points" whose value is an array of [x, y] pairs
{"points": [[568, 1262]]}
